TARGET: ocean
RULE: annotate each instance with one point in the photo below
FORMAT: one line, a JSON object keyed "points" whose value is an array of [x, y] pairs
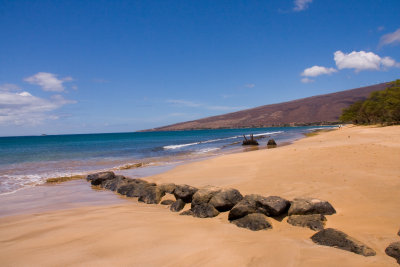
{"points": [[29, 160]]}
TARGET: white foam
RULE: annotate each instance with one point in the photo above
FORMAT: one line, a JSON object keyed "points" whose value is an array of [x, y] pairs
{"points": [[215, 140]]}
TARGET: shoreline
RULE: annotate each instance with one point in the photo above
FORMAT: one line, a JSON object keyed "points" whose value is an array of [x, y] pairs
{"points": [[352, 168]]}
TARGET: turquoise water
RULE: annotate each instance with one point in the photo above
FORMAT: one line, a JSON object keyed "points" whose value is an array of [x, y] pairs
{"points": [[29, 160]]}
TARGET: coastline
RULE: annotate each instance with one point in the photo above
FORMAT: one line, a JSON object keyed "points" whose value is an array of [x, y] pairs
{"points": [[353, 168]]}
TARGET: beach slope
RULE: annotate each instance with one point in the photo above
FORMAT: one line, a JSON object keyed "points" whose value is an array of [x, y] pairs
{"points": [[356, 169]]}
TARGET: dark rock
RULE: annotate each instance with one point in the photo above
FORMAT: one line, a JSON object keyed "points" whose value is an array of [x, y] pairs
{"points": [[187, 213], [270, 206], [150, 194], [100, 177], [304, 206], [315, 222], [115, 183], [271, 143], [177, 205], [204, 211], [393, 250], [250, 143], [246, 206], [203, 195], [398, 233], [185, 192], [167, 188], [335, 238], [167, 202], [225, 199], [254, 222]]}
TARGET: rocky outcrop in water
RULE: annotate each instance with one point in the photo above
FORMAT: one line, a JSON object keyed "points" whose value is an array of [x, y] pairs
{"points": [[335, 238], [100, 177]]}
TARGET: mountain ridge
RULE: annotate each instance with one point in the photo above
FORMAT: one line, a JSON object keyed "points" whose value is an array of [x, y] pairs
{"points": [[318, 109]]}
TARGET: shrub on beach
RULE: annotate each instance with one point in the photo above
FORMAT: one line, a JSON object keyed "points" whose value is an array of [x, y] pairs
{"points": [[381, 107]]}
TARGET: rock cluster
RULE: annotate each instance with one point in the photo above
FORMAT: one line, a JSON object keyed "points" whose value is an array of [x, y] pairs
{"points": [[249, 211], [393, 250]]}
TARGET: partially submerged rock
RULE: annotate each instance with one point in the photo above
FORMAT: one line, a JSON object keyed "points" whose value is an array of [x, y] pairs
{"points": [[114, 184], [271, 143], [254, 222], [177, 205], [315, 222], [100, 177], [184, 192], [304, 206], [393, 250], [335, 238], [270, 206]]}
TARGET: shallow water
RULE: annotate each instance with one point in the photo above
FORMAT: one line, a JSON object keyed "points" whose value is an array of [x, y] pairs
{"points": [[29, 160]]}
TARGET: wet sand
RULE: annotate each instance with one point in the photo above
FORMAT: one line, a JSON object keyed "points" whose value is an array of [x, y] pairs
{"points": [[357, 169]]}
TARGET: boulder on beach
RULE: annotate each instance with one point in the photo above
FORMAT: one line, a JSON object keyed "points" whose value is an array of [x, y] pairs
{"points": [[150, 194], [304, 206], [225, 199], [254, 222], [204, 211], [178, 205], [211, 199], [270, 206], [186, 213], [315, 222], [167, 187], [393, 250], [167, 202], [335, 238], [184, 192], [114, 184], [100, 177]]}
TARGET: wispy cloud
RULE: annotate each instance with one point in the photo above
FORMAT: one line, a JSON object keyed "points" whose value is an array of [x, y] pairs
{"points": [[300, 5], [9, 87], [48, 81], [191, 104], [250, 85], [307, 80], [390, 38], [24, 108]]}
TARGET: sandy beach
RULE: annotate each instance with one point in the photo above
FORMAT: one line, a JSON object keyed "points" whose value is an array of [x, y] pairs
{"points": [[356, 169]]}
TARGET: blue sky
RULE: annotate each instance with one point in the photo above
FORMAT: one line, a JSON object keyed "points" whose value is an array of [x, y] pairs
{"points": [[112, 66]]}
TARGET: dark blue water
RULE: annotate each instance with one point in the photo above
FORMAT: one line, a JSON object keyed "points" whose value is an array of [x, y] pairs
{"points": [[29, 160]]}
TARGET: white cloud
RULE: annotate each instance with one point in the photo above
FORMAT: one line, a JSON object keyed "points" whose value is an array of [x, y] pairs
{"points": [[48, 81], [362, 61], [315, 71], [24, 108], [390, 38], [300, 5], [307, 80], [7, 87]]}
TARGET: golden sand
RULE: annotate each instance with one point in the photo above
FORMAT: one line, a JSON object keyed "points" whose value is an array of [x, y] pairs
{"points": [[357, 169]]}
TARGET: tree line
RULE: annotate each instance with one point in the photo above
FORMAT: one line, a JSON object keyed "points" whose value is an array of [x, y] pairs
{"points": [[381, 107]]}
